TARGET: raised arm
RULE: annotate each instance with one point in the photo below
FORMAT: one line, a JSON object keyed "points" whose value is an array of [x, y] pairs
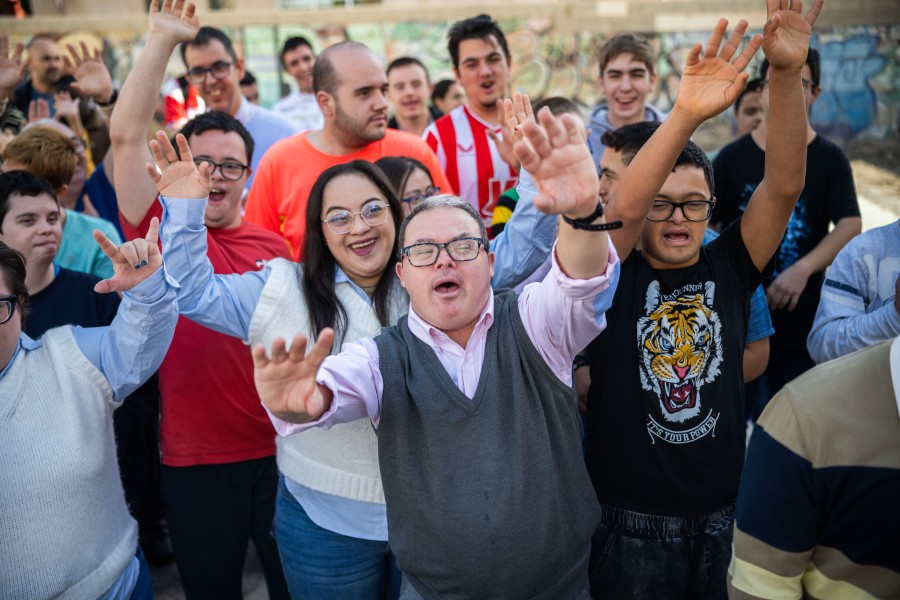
{"points": [[710, 83], [560, 162], [169, 25], [785, 43], [11, 69], [133, 346]]}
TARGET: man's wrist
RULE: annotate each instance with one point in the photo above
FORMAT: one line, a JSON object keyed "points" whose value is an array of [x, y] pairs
{"points": [[108, 99]]}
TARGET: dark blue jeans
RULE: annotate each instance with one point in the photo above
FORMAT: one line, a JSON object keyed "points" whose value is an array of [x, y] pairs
{"points": [[647, 556], [323, 565]]}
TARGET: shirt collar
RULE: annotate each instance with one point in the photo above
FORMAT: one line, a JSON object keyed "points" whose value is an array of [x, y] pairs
{"points": [[494, 128], [431, 335], [341, 277], [24, 342]]}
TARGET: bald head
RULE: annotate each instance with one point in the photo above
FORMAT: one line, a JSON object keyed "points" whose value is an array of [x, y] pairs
{"points": [[333, 60]]}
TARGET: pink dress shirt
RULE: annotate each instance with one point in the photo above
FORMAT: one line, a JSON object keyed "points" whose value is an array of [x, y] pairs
{"points": [[560, 314]]}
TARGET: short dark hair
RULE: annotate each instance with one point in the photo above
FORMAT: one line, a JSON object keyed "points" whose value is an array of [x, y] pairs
{"points": [[627, 43], [22, 183], [441, 89], [397, 169], [629, 139], [248, 78], [12, 119], [325, 76], [215, 120], [405, 61], [813, 60], [481, 27], [294, 42], [752, 86], [558, 106], [319, 265], [204, 37], [12, 269]]}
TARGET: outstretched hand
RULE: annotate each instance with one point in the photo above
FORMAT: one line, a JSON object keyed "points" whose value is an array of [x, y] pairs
{"points": [[286, 382], [786, 32], [11, 66], [511, 113], [133, 261], [177, 177], [557, 157], [175, 19], [92, 78], [711, 82]]}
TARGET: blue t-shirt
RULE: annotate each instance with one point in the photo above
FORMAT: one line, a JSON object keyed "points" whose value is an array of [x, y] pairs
{"points": [[103, 197]]}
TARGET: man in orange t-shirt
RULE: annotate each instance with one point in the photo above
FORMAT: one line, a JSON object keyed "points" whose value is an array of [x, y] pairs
{"points": [[350, 86]]}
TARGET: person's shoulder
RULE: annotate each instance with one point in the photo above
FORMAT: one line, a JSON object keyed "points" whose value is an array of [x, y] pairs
{"points": [[278, 123], [260, 237], [742, 145], [286, 103], [394, 140], [821, 148]]}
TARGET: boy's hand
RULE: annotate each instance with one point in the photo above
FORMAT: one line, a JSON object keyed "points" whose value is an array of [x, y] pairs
{"points": [[286, 382], [11, 66], [174, 20], [133, 261], [786, 33], [92, 78], [177, 177], [712, 82]]}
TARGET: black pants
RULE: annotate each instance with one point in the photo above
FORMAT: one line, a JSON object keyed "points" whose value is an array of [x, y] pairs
{"points": [[213, 511], [136, 424]]}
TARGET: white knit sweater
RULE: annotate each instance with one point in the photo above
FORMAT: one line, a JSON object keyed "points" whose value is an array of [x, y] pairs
{"points": [[342, 460], [65, 531]]}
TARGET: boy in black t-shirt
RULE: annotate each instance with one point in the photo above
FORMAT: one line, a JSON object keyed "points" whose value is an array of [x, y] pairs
{"points": [[794, 286], [665, 410]]}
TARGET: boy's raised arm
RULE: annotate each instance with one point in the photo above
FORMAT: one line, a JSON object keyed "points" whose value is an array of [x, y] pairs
{"points": [[169, 25], [710, 83], [785, 43]]}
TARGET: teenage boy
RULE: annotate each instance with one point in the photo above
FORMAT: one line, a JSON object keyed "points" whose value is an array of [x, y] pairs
{"points": [[665, 414]]}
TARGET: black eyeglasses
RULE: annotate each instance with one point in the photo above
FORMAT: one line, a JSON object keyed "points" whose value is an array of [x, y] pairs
{"points": [[459, 250], [416, 199], [7, 308], [693, 210], [219, 70], [229, 170], [341, 221]]}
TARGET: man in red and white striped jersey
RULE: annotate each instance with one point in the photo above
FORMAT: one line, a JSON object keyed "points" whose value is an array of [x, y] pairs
{"points": [[461, 138]]}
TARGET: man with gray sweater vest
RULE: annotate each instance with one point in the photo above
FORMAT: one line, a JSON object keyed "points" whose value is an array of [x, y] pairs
{"points": [[479, 436]]}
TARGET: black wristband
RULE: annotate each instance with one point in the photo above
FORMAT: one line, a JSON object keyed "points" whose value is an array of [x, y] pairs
{"points": [[111, 101], [587, 223]]}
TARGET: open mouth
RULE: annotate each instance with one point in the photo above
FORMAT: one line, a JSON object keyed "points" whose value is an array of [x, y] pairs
{"points": [[678, 397], [446, 287], [677, 238], [364, 247], [216, 195]]}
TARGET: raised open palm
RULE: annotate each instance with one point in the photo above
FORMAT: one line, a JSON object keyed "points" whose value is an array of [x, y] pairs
{"points": [[286, 381], [177, 177], [559, 160], [786, 33], [712, 82], [11, 65], [176, 20], [92, 78]]}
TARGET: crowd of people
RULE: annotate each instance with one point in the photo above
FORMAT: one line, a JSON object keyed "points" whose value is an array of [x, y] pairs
{"points": [[426, 340]]}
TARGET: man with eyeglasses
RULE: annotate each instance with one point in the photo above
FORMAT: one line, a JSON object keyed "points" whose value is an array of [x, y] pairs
{"points": [[215, 70], [665, 416], [794, 286], [219, 477], [479, 438]]}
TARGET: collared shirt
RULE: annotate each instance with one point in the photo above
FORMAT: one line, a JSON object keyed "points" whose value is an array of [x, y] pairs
{"points": [[131, 348], [561, 315]]}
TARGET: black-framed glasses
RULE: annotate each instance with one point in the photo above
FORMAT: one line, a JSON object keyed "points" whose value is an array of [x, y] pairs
{"points": [[219, 70], [693, 210], [340, 221], [416, 199], [229, 170], [7, 308], [426, 254]]}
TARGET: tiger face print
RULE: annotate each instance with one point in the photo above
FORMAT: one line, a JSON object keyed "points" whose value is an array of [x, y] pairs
{"points": [[680, 344]]}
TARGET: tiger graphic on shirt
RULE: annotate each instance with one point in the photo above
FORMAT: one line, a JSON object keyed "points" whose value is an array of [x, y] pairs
{"points": [[680, 345]]}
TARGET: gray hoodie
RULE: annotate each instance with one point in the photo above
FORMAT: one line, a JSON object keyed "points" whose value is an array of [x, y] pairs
{"points": [[599, 124]]}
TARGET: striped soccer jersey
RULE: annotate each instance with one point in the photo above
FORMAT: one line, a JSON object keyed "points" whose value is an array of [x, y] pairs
{"points": [[470, 159]]}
